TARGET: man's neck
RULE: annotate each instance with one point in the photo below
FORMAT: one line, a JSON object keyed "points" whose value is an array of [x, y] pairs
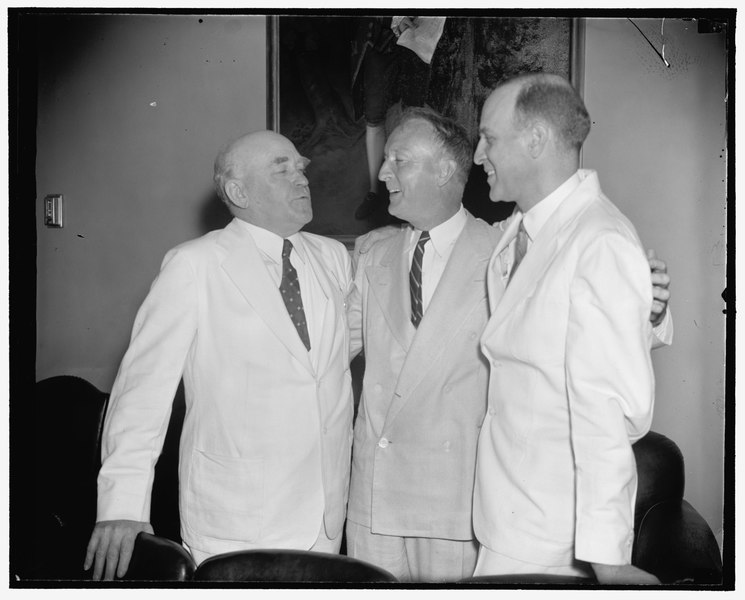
{"points": [[281, 231], [545, 183], [428, 224]]}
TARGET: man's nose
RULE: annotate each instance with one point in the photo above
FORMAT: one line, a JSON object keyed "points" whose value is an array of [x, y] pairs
{"points": [[301, 179], [478, 156], [385, 171]]}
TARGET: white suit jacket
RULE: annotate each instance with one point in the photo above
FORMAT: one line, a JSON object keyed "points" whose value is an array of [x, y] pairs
{"points": [[571, 387], [265, 447], [424, 391]]}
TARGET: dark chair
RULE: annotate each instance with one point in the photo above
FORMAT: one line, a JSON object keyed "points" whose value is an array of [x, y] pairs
{"points": [[671, 540], [159, 559], [58, 489], [289, 566], [60, 495]]}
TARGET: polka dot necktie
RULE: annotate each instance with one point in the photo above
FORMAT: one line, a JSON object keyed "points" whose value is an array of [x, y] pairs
{"points": [[415, 280], [290, 290]]}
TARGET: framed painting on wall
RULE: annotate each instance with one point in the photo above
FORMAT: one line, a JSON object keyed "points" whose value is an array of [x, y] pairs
{"points": [[316, 90]]}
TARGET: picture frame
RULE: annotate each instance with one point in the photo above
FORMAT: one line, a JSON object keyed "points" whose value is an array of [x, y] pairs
{"points": [[313, 99]]}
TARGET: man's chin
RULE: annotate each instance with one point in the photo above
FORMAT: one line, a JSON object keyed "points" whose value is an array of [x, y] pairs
{"points": [[496, 196]]}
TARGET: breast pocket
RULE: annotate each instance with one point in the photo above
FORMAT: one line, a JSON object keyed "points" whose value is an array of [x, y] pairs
{"points": [[225, 496], [537, 331]]}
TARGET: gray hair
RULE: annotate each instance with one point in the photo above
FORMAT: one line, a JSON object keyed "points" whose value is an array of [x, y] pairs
{"points": [[449, 134]]}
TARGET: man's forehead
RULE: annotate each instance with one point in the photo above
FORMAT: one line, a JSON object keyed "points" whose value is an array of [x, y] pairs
{"points": [[410, 133]]}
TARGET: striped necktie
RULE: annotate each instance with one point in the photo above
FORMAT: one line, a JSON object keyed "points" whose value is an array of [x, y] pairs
{"points": [[290, 290], [415, 280]]}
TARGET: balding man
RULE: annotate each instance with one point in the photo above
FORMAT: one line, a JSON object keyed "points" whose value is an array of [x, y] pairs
{"points": [[568, 343], [252, 317]]}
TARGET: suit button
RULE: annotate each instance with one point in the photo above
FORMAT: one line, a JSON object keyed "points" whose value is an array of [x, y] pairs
{"points": [[472, 335], [496, 364], [325, 431], [446, 446], [492, 411], [383, 443], [378, 388], [448, 389]]}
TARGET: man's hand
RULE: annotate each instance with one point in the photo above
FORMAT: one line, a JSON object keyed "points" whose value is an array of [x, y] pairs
{"points": [[111, 546], [623, 575], [364, 242], [403, 25], [660, 291]]}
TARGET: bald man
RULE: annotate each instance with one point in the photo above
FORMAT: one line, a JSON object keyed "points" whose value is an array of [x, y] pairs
{"points": [[252, 317]]}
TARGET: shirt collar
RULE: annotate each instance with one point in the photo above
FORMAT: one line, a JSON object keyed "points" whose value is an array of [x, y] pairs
{"points": [[444, 235], [270, 244], [536, 217]]}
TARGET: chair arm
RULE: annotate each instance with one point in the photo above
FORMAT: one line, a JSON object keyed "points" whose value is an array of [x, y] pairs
{"points": [[530, 579], [295, 566], [675, 543], [159, 559]]}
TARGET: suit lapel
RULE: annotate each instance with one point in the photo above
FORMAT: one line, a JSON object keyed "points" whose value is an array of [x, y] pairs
{"points": [[389, 282], [495, 283], [245, 267], [326, 329], [544, 249], [460, 290]]}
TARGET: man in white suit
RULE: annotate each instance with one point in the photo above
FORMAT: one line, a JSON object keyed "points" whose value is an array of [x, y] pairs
{"points": [[265, 448], [425, 384], [568, 343], [424, 390]]}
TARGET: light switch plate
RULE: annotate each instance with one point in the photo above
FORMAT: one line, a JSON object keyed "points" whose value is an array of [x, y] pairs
{"points": [[53, 210]]}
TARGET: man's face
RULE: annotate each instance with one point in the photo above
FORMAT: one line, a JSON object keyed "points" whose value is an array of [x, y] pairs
{"points": [[409, 171], [275, 179], [502, 150]]}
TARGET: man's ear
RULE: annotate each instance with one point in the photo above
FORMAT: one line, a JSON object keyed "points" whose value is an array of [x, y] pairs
{"points": [[538, 137], [447, 168], [236, 194]]}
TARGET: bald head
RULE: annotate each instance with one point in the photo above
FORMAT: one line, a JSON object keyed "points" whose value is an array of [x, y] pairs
{"points": [[261, 177], [240, 155]]}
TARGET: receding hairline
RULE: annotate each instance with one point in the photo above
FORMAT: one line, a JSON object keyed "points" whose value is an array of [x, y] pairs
{"points": [[255, 146]]}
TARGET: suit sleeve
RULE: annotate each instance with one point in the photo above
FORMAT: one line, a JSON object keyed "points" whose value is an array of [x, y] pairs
{"points": [[662, 334], [354, 301], [610, 385], [142, 395]]}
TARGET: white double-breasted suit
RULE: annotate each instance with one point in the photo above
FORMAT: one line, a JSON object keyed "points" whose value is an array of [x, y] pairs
{"points": [[265, 447], [424, 392]]}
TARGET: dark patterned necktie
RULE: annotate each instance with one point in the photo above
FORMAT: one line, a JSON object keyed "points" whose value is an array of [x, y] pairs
{"points": [[290, 290], [521, 247], [415, 280]]}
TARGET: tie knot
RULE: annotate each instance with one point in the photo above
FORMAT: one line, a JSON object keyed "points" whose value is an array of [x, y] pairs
{"points": [[286, 249], [423, 238]]}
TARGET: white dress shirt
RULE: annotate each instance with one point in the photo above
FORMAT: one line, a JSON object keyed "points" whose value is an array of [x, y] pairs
{"points": [[436, 252], [270, 247]]}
